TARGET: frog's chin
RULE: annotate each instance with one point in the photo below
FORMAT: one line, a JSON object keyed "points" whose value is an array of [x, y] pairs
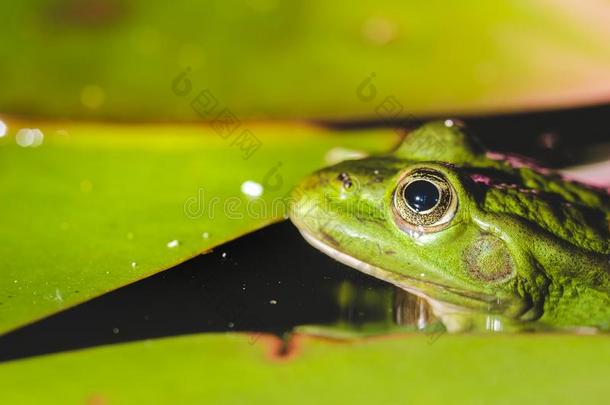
{"points": [[472, 302]]}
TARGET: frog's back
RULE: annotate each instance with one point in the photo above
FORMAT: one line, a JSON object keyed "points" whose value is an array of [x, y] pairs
{"points": [[573, 212]]}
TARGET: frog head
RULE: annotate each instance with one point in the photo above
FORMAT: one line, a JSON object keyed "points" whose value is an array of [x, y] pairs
{"points": [[444, 219]]}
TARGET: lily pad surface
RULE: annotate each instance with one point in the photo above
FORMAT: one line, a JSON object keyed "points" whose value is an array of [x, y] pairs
{"points": [[233, 368], [85, 209]]}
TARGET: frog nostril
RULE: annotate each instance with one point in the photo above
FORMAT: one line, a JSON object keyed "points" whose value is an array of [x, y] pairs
{"points": [[345, 179]]}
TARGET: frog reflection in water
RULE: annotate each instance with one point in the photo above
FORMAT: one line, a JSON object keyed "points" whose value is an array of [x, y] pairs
{"points": [[468, 230]]}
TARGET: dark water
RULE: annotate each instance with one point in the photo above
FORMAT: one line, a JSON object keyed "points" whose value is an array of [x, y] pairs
{"points": [[557, 138], [251, 284], [273, 281]]}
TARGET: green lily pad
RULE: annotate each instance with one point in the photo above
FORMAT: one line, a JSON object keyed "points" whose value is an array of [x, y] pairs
{"points": [[233, 369], [300, 58], [96, 207]]}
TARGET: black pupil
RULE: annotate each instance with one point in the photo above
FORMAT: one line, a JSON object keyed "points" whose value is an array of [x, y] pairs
{"points": [[421, 195]]}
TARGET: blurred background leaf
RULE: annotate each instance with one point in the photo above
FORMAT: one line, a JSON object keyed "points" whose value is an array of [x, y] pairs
{"points": [[112, 59]]}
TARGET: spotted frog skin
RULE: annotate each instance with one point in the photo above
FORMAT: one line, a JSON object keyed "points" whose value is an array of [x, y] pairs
{"points": [[467, 229]]}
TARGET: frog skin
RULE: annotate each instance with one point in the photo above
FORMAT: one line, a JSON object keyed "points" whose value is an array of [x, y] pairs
{"points": [[468, 230]]}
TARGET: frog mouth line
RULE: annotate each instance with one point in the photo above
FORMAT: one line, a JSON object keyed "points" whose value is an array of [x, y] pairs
{"points": [[407, 283]]}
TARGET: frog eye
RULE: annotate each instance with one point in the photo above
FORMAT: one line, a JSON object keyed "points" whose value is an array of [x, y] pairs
{"points": [[424, 201]]}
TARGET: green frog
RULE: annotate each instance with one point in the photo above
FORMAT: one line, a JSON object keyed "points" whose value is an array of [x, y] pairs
{"points": [[466, 229]]}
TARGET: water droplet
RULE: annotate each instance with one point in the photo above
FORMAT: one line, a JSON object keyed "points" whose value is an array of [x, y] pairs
{"points": [[173, 243], [230, 324], [134, 265], [223, 255], [455, 123], [115, 330], [2, 128], [272, 302], [29, 137], [205, 235], [252, 189]]}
